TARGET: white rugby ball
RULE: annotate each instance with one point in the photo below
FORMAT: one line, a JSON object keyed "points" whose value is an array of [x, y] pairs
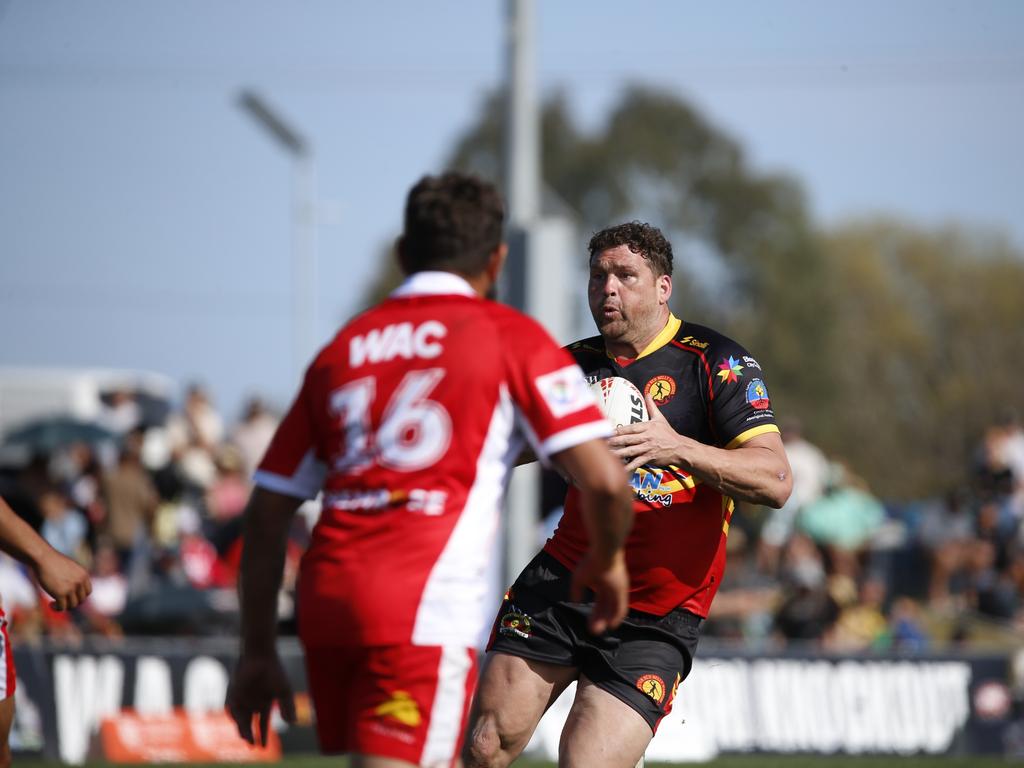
{"points": [[620, 401]]}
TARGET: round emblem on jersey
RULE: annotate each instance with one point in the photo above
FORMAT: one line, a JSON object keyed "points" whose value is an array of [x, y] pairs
{"points": [[757, 395], [653, 686], [661, 389], [516, 623]]}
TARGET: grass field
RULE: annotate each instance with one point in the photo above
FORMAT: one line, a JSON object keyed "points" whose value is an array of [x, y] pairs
{"points": [[749, 761]]}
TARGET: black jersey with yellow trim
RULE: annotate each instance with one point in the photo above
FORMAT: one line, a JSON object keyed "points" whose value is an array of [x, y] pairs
{"points": [[707, 386]]}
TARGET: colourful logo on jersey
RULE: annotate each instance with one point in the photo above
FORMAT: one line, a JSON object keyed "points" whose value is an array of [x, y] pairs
{"points": [[565, 391], [653, 686], [757, 395], [730, 370], [401, 707], [516, 623], [661, 389]]}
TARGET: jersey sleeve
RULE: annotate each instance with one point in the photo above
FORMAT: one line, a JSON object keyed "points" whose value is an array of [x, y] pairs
{"points": [[740, 406], [555, 408], [292, 465]]}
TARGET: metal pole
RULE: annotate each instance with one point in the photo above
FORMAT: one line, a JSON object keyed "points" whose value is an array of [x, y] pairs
{"points": [[304, 220], [522, 158]]}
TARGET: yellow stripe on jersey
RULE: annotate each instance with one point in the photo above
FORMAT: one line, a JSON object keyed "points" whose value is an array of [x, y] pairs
{"points": [[664, 337], [743, 437], [727, 509]]}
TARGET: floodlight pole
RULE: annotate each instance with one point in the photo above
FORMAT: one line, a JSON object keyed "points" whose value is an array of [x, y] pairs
{"points": [[304, 221], [522, 175]]}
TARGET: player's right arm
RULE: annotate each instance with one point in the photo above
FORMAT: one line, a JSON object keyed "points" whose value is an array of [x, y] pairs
{"points": [[607, 511], [259, 679], [61, 577]]}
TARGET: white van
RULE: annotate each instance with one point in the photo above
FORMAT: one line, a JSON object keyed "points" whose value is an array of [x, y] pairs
{"points": [[27, 394]]}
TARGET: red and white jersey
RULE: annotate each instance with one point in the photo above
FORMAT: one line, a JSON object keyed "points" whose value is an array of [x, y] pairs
{"points": [[410, 421]]}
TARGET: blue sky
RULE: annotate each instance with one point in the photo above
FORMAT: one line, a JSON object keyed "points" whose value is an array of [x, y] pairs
{"points": [[145, 220]]}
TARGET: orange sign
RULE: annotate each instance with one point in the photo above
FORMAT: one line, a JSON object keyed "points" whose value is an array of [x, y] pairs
{"points": [[179, 738]]}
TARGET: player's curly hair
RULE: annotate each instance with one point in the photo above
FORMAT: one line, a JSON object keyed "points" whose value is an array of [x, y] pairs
{"points": [[641, 238], [453, 222]]}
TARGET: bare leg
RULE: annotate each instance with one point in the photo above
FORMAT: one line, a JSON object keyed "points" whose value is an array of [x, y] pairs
{"points": [[374, 761], [602, 731], [6, 718], [512, 696]]}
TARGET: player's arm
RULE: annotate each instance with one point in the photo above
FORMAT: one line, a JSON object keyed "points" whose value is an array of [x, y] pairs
{"points": [[259, 679], [757, 471], [607, 510], [61, 577]]}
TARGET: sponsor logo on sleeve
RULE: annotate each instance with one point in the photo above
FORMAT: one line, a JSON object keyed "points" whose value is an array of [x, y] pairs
{"points": [[661, 389], [751, 362], [757, 395], [730, 370], [565, 391], [653, 686], [694, 342]]}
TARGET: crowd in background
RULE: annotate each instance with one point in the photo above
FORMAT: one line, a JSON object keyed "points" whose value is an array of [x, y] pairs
{"points": [[158, 521]]}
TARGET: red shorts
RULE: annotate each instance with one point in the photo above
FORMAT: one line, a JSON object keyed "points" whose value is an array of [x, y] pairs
{"points": [[7, 679], [405, 702]]}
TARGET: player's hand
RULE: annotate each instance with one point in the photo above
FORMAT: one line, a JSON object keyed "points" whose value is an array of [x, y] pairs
{"points": [[258, 681], [651, 442], [63, 579], [610, 584]]}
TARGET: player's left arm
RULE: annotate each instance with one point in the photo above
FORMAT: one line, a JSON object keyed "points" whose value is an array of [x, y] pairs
{"points": [[756, 471]]}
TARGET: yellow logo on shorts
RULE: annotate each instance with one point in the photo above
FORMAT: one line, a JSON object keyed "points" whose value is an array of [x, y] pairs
{"points": [[401, 707], [653, 686]]}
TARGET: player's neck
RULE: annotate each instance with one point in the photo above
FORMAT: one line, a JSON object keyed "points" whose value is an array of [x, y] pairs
{"points": [[632, 348]]}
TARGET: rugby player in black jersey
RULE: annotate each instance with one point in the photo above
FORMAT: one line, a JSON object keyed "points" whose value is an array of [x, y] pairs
{"points": [[711, 440]]}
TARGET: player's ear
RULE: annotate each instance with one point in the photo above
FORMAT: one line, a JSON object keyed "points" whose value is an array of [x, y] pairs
{"points": [[664, 288], [400, 254], [496, 262]]}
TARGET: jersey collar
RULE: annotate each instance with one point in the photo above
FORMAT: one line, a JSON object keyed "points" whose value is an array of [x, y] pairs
{"points": [[433, 284], [664, 337]]}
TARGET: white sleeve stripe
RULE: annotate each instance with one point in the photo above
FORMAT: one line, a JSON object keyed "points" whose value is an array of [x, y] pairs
{"points": [[281, 484], [304, 483], [569, 438]]}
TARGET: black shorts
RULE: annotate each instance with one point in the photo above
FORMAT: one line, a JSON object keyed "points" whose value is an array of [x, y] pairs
{"points": [[641, 662]]}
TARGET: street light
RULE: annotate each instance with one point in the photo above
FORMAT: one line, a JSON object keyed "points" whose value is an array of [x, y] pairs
{"points": [[303, 224]]}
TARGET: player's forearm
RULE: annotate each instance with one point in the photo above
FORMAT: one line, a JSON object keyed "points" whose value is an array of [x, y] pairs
{"points": [[19, 540], [754, 474], [265, 539], [605, 496]]}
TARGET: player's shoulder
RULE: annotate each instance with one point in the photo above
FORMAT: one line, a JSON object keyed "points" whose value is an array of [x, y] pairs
{"points": [[584, 348], [510, 323], [707, 341]]}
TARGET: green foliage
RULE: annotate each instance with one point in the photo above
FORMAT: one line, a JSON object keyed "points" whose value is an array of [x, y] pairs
{"points": [[895, 347]]}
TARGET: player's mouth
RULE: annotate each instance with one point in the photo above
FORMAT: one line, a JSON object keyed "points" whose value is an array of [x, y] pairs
{"points": [[608, 311]]}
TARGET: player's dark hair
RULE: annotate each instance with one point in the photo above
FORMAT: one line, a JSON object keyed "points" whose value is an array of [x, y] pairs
{"points": [[453, 222], [644, 239]]}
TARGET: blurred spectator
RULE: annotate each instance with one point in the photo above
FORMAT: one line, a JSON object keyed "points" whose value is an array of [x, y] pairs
{"points": [[947, 533], [194, 435], [843, 520], [808, 611], [64, 527], [131, 500], [906, 626], [109, 591], [810, 476], [229, 492], [121, 413], [253, 434], [862, 622]]}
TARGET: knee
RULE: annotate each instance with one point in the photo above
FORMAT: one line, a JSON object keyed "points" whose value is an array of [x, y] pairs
{"points": [[483, 745]]}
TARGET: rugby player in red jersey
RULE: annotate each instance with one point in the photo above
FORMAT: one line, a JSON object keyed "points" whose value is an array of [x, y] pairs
{"points": [[410, 421], [711, 439], [61, 577]]}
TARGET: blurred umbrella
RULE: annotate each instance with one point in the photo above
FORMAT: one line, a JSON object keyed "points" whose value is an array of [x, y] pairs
{"points": [[47, 435]]}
